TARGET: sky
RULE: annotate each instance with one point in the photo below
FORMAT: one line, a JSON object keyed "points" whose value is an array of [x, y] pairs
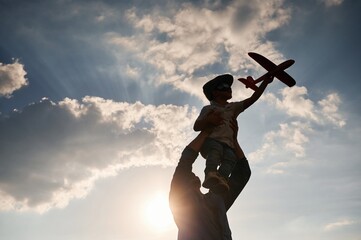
{"points": [[98, 99]]}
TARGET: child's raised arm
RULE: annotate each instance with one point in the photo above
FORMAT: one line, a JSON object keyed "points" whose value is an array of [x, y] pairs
{"points": [[257, 94]]}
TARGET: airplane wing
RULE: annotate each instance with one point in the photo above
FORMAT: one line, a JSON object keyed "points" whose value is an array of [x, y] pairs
{"points": [[269, 66]]}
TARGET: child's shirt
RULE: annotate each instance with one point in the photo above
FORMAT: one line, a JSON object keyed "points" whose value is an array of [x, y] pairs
{"points": [[223, 132]]}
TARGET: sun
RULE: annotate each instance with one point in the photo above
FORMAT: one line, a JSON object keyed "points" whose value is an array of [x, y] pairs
{"points": [[157, 213]]}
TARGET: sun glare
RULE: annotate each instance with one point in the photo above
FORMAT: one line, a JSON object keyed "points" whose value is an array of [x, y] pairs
{"points": [[157, 213]]}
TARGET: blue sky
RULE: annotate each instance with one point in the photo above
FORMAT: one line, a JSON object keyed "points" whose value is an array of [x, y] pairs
{"points": [[98, 98]]}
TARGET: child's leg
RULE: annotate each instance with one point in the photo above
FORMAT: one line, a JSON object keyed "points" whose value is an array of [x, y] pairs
{"points": [[212, 151], [228, 162]]}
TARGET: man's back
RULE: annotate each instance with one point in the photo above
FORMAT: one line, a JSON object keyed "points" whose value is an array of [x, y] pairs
{"points": [[201, 216], [198, 216]]}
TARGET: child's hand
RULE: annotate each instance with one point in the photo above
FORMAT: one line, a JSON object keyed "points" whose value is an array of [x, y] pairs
{"points": [[269, 79]]}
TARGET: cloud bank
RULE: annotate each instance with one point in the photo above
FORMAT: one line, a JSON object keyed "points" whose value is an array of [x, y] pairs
{"points": [[53, 152]]}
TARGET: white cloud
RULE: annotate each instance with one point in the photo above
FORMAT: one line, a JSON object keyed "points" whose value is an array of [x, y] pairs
{"points": [[293, 135], [12, 78], [338, 224], [290, 137], [132, 72], [53, 152], [331, 3], [329, 109], [295, 103]]}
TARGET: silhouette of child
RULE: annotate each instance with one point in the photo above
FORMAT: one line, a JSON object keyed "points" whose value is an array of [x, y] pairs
{"points": [[218, 148]]}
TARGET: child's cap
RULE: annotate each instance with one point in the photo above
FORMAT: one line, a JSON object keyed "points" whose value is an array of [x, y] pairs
{"points": [[212, 84]]}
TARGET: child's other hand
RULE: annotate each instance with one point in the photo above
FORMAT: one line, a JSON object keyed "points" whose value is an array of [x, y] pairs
{"points": [[250, 79]]}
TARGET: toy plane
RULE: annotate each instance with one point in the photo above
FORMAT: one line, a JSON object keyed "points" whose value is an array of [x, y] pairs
{"points": [[273, 71]]}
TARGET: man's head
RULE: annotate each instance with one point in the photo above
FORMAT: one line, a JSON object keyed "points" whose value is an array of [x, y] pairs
{"points": [[219, 86]]}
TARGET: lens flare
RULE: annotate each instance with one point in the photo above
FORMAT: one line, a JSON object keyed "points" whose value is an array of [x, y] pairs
{"points": [[157, 213]]}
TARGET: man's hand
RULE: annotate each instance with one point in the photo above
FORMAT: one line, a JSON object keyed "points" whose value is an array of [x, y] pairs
{"points": [[211, 119], [214, 118]]}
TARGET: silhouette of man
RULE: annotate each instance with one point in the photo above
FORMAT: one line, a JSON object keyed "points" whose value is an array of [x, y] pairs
{"points": [[201, 216]]}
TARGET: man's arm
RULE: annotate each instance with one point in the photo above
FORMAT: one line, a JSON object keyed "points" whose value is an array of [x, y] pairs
{"points": [[183, 178], [257, 94], [183, 190]]}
